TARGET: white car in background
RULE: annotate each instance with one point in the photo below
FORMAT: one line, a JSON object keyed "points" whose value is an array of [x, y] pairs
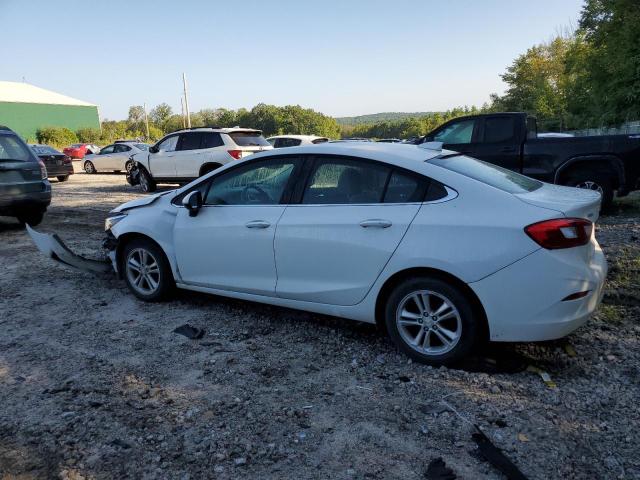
{"points": [[115, 157], [441, 249], [181, 156], [280, 141]]}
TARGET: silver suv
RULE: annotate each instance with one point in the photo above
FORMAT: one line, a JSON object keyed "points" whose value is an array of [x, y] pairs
{"points": [[185, 155]]}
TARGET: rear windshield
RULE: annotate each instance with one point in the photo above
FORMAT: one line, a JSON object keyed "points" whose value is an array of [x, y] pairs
{"points": [[45, 150], [249, 139], [12, 149], [484, 172]]}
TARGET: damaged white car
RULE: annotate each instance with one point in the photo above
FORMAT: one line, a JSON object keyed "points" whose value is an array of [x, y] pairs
{"points": [[440, 249]]}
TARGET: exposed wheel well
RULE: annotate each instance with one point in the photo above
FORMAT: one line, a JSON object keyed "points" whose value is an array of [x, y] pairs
{"points": [[601, 166], [399, 277], [207, 167], [124, 239]]}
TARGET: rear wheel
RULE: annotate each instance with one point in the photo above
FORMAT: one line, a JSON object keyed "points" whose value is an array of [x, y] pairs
{"points": [[593, 180], [89, 167], [431, 321], [146, 182], [62, 178], [146, 270], [32, 218]]}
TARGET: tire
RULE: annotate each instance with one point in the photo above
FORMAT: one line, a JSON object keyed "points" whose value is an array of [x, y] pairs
{"points": [[128, 166], [32, 218], [89, 167], [154, 281], [62, 178], [593, 180], [146, 182], [457, 318]]}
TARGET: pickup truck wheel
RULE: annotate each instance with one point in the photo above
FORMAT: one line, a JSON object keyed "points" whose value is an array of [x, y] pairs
{"points": [[146, 182], [596, 181], [431, 321]]}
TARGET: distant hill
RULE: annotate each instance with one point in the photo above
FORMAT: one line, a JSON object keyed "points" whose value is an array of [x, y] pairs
{"points": [[379, 117]]}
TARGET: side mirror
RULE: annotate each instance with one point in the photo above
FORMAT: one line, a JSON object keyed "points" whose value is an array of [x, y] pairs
{"points": [[193, 202], [153, 149]]}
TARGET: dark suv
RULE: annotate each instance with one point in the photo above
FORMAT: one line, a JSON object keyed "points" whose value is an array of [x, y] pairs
{"points": [[25, 192]]}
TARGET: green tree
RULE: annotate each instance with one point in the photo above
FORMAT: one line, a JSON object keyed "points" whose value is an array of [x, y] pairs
{"points": [[88, 135], [160, 114], [58, 137]]}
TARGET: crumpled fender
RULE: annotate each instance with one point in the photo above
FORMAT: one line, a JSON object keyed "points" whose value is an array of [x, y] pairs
{"points": [[53, 247]]}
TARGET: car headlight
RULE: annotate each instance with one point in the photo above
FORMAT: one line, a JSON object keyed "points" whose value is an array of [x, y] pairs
{"points": [[111, 221]]}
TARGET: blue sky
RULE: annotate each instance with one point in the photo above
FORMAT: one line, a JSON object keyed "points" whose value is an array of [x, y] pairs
{"points": [[339, 57]]}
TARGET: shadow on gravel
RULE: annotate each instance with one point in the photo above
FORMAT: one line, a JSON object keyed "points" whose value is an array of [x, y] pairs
{"points": [[7, 225]]}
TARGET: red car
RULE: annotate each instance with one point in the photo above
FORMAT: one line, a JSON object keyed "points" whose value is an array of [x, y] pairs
{"points": [[79, 150]]}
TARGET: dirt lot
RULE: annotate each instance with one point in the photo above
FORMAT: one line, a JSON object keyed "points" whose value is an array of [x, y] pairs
{"points": [[94, 384]]}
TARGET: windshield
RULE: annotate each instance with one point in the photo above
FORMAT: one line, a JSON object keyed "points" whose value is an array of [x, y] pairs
{"points": [[249, 139], [484, 172], [142, 146], [11, 148], [44, 150]]}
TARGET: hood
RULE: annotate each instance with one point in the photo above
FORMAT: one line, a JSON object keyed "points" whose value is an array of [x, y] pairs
{"points": [[140, 202]]}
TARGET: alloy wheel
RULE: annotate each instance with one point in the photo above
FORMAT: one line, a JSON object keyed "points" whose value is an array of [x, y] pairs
{"points": [[589, 185], [429, 322], [143, 271]]}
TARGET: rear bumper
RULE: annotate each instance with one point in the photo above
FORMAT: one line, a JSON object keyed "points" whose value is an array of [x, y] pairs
{"points": [[525, 301], [18, 200], [59, 171]]}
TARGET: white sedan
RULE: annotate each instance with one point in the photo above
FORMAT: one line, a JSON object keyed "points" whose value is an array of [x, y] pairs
{"points": [[442, 250], [114, 158]]}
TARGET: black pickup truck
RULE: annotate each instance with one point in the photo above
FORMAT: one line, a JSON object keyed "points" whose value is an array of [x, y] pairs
{"points": [[609, 164]]}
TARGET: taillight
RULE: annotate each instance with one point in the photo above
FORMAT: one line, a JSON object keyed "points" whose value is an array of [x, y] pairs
{"points": [[237, 154], [560, 233], [43, 170]]}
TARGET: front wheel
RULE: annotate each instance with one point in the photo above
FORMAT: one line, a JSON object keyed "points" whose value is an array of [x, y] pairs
{"points": [[431, 321], [89, 167], [146, 270], [128, 166], [146, 182]]}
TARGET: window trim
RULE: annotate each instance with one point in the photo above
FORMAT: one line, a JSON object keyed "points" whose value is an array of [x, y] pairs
{"points": [[310, 165]]}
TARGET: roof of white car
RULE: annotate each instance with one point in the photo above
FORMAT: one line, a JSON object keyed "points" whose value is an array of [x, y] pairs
{"points": [[301, 137], [397, 153], [220, 130]]}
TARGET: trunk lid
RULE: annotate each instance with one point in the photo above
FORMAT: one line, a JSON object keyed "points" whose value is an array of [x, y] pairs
{"points": [[570, 201]]}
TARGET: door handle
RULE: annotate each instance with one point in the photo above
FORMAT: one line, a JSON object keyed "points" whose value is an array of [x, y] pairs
{"points": [[257, 224], [375, 223]]}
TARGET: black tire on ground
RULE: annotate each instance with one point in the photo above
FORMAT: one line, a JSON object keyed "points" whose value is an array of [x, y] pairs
{"points": [[593, 180], [164, 277], [146, 182], [467, 324], [62, 178], [89, 167], [32, 218]]}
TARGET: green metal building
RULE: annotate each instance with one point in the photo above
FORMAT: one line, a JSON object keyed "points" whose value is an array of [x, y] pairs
{"points": [[25, 108]]}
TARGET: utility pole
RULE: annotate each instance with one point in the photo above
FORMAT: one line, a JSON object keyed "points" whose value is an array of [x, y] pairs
{"points": [[184, 125], [146, 120], [186, 99]]}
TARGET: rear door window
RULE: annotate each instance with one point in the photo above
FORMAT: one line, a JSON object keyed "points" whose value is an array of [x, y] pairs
{"points": [[249, 139], [345, 181], [403, 188], [190, 141], [287, 142], [499, 129]]}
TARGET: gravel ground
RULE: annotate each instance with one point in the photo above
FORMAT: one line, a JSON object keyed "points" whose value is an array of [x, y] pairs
{"points": [[94, 384]]}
